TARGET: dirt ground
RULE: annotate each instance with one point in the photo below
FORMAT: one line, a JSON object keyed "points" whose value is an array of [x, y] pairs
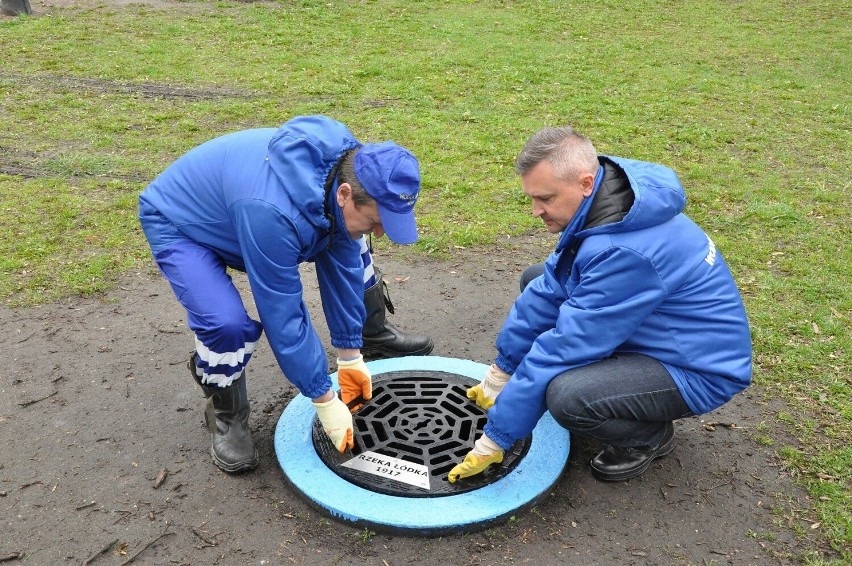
{"points": [[97, 407], [104, 457]]}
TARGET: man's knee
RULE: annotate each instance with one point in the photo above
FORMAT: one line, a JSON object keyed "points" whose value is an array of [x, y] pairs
{"points": [[232, 325], [237, 323], [531, 273], [227, 329], [566, 403]]}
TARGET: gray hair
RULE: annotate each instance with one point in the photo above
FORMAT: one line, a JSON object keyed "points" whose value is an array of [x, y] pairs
{"points": [[570, 153]]}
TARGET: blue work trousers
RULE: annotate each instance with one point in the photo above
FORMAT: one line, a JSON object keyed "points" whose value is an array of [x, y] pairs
{"points": [[225, 334]]}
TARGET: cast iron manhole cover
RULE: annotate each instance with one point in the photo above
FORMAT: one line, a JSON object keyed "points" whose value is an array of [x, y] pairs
{"points": [[407, 422], [418, 425]]}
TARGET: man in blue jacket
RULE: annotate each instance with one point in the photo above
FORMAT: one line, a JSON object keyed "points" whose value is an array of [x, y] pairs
{"points": [[634, 320], [264, 201]]}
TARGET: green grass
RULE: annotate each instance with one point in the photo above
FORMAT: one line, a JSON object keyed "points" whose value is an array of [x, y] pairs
{"points": [[748, 101]]}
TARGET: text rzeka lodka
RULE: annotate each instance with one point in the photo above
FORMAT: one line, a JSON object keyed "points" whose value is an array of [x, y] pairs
{"points": [[391, 468]]}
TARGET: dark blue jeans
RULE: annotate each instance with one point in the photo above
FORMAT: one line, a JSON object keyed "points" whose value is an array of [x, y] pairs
{"points": [[626, 400], [531, 273]]}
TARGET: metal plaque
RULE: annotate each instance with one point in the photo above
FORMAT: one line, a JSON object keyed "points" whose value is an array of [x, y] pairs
{"points": [[390, 468]]}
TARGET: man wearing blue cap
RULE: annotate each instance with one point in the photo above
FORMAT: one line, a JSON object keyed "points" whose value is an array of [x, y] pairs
{"points": [[264, 201]]}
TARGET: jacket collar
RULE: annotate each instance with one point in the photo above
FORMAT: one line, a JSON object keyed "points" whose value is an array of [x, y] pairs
{"points": [[566, 237]]}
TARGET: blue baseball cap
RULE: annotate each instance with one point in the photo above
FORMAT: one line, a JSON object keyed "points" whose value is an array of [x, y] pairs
{"points": [[391, 176]]}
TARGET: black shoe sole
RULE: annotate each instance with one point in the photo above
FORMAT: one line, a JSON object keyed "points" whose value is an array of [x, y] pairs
{"points": [[238, 467]]}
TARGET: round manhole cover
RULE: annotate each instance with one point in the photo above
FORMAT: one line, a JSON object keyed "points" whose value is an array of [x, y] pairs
{"points": [[408, 419], [418, 425]]}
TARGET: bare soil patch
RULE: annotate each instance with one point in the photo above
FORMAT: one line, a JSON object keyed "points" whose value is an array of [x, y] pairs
{"points": [[104, 448]]}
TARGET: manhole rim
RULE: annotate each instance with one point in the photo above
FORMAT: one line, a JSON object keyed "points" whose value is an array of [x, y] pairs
{"points": [[469, 511], [398, 395]]}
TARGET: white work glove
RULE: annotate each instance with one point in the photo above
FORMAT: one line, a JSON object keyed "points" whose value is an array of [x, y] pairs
{"points": [[486, 392], [336, 421], [485, 452], [355, 381]]}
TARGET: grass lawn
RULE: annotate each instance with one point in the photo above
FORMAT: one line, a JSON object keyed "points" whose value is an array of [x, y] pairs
{"points": [[749, 101]]}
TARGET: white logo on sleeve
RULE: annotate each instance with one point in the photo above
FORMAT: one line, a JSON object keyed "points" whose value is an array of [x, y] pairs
{"points": [[711, 252]]}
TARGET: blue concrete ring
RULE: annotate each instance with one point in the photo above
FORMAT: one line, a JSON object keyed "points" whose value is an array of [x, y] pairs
{"points": [[417, 516]]}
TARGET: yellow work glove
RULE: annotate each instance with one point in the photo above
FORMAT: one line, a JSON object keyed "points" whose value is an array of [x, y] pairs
{"points": [[355, 381], [336, 421], [486, 392], [485, 452]]}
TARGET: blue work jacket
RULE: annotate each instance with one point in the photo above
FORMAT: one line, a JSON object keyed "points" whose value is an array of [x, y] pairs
{"points": [[258, 199], [630, 273]]}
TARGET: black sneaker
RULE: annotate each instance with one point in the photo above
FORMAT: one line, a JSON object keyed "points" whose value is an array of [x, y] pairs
{"points": [[619, 464]]}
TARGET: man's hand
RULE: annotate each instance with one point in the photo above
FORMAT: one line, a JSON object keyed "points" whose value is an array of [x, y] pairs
{"points": [[336, 421], [486, 392], [485, 452], [355, 381]]}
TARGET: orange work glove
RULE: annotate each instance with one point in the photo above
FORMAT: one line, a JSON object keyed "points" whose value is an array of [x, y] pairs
{"points": [[355, 381]]}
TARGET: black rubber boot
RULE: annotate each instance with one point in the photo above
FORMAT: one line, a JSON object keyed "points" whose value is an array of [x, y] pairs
{"points": [[226, 414], [383, 339]]}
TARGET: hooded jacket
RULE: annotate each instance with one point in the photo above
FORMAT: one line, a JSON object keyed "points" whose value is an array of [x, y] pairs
{"points": [[630, 273], [257, 198]]}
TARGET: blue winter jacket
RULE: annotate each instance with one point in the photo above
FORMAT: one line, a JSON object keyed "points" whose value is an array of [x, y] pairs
{"points": [[630, 273], [257, 199]]}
